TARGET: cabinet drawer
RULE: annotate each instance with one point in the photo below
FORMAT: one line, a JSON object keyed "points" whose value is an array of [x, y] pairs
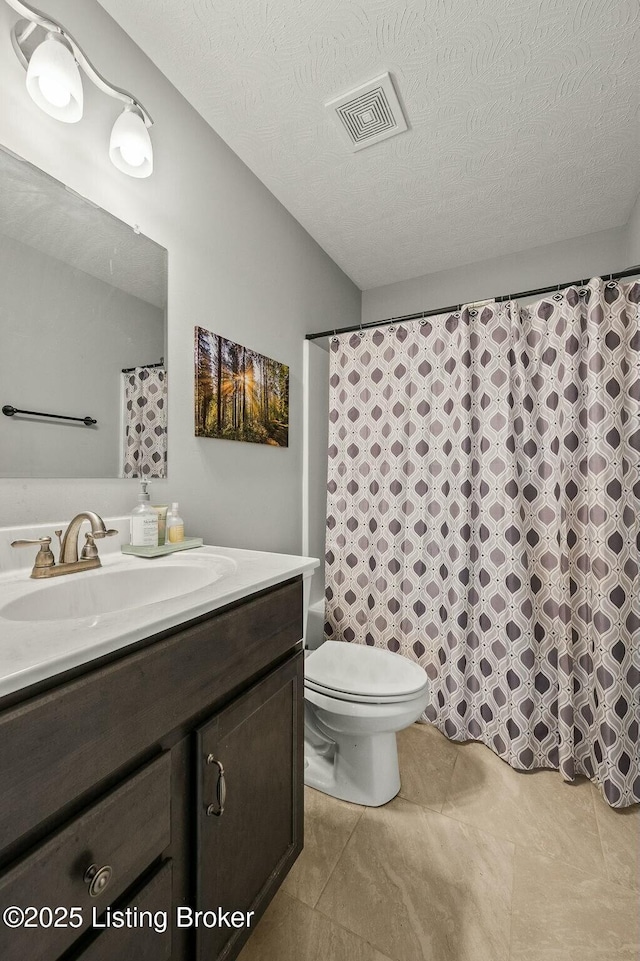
{"points": [[125, 832], [143, 943]]}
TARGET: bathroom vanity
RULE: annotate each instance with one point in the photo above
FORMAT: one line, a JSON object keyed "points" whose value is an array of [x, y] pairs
{"points": [[157, 773]]}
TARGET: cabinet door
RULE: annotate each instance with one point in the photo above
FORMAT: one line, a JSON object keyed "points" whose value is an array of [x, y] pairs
{"points": [[250, 804]]}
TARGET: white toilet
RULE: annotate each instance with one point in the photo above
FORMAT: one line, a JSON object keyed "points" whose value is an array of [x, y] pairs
{"points": [[356, 698]]}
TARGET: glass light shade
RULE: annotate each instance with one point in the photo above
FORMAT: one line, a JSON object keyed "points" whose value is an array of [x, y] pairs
{"points": [[130, 146], [53, 80]]}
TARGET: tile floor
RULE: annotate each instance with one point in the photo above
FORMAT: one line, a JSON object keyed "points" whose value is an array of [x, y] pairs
{"points": [[471, 862]]}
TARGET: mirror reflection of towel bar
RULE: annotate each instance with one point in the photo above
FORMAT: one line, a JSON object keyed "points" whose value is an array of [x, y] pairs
{"points": [[130, 370], [9, 411]]}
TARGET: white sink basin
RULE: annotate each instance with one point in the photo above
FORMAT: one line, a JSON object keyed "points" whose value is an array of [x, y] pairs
{"points": [[54, 625], [105, 591]]}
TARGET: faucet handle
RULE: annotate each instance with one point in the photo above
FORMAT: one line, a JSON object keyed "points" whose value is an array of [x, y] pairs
{"points": [[89, 550], [42, 541], [44, 557]]}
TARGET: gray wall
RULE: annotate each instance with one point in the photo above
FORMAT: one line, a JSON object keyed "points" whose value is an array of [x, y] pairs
{"points": [[239, 265], [581, 257], [633, 236], [64, 338]]}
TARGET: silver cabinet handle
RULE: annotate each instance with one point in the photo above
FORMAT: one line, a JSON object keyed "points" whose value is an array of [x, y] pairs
{"points": [[98, 879], [221, 789]]}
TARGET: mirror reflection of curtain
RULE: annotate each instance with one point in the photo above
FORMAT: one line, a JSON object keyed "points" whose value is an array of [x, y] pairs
{"points": [[145, 412]]}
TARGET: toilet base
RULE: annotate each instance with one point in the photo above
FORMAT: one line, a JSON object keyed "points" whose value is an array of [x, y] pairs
{"points": [[362, 769]]}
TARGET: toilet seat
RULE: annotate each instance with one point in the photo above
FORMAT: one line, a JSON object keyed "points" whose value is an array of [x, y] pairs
{"points": [[361, 698], [353, 672]]}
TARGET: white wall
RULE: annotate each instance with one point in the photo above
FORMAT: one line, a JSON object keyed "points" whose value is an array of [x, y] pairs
{"points": [[316, 460], [66, 337], [239, 265], [581, 257]]}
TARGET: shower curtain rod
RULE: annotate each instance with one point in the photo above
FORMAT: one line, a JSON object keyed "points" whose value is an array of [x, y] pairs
{"points": [[629, 272]]}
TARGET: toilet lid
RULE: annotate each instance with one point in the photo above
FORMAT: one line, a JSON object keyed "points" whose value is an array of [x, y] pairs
{"points": [[360, 671]]}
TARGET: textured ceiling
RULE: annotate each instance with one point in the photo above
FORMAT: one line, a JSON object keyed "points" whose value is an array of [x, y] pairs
{"points": [[524, 116], [42, 213]]}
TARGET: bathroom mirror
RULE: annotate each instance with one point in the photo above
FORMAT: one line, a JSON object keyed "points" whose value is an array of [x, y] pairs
{"points": [[82, 335]]}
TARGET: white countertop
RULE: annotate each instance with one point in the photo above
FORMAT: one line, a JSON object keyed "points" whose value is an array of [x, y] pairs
{"points": [[32, 651]]}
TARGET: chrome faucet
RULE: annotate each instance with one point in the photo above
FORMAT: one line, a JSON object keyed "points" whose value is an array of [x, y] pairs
{"points": [[69, 563]]}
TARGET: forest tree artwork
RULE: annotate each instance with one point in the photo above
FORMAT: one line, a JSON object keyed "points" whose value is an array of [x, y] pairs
{"points": [[239, 393]]}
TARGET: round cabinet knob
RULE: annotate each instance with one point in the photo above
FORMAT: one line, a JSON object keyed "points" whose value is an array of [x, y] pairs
{"points": [[98, 879]]}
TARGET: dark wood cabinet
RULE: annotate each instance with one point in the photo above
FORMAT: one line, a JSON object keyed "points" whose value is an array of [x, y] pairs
{"points": [[249, 804], [128, 764]]}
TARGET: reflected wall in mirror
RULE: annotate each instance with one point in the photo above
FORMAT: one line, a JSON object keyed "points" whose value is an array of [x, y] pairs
{"points": [[82, 334]]}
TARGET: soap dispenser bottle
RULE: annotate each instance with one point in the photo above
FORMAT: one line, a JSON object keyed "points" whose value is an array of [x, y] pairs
{"points": [[175, 525], [144, 520]]}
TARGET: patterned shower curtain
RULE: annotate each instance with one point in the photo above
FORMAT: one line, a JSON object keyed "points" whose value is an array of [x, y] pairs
{"points": [[145, 440], [484, 520]]}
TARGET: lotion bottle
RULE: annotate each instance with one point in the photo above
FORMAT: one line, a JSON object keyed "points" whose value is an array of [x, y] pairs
{"points": [[175, 525], [144, 520]]}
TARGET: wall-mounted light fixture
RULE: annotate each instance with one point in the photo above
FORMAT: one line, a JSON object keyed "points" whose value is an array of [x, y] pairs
{"points": [[53, 60]]}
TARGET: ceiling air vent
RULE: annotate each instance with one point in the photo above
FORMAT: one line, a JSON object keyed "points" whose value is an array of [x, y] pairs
{"points": [[369, 113]]}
